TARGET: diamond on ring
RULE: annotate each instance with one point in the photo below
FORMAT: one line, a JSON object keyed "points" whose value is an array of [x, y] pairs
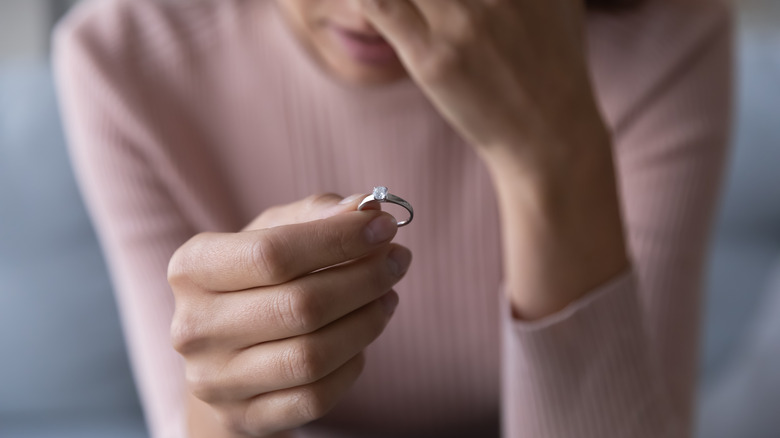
{"points": [[380, 193]]}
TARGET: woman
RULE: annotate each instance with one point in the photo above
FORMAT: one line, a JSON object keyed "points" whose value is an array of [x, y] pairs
{"points": [[498, 120]]}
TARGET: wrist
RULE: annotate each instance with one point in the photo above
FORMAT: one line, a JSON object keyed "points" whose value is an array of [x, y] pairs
{"points": [[562, 230], [556, 182], [551, 150]]}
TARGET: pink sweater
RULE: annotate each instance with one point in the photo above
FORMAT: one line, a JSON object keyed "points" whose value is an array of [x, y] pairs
{"points": [[187, 116]]}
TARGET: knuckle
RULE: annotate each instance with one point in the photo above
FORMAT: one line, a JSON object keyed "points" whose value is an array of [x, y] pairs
{"points": [[179, 265], [202, 384], [268, 259], [187, 260], [187, 333], [176, 269], [300, 312], [303, 363]]}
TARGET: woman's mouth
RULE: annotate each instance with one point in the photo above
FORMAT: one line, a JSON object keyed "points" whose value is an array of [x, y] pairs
{"points": [[365, 48]]}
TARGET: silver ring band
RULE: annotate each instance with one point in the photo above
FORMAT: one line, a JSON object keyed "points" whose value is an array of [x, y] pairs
{"points": [[380, 194]]}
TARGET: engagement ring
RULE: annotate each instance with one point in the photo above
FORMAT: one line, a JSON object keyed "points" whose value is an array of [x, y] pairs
{"points": [[380, 195]]}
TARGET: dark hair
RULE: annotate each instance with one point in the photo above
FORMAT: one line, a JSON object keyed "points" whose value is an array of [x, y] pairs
{"points": [[613, 5]]}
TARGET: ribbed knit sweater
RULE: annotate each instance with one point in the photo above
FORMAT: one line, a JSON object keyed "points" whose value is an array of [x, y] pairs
{"points": [[186, 116]]}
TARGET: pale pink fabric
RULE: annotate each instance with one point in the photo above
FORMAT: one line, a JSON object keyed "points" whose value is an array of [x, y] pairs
{"points": [[187, 116]]}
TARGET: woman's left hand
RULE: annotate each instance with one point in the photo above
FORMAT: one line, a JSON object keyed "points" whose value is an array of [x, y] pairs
{"points": [[507, 74], [511, 76]]}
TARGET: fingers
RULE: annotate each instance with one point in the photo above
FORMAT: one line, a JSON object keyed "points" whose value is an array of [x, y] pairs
{"points": [[291, 362], [400, 21], [437, 12], [308, 209], [412, 21], [291, 408], [234, 321], [284, 308], [419, 29], [239, 261]]}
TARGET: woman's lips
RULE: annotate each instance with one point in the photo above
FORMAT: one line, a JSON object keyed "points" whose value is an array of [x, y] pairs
{"points": [[366, 48]]}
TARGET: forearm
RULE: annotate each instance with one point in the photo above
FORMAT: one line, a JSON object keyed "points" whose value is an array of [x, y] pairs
{"points": [[560, 217], [586, 371]]}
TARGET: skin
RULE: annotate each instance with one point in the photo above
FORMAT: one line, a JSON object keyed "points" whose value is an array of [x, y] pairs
{"points": [[314, 23], [289, 358], [270, 344]]}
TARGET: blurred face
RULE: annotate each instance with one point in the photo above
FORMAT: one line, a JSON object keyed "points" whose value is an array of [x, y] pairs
{"points": [[341, 39]]}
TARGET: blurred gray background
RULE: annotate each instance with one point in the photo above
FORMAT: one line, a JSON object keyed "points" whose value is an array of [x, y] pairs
{"points": [[63, 368]]}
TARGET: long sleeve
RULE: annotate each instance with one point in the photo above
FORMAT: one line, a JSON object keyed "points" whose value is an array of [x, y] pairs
{"points": [[110, 135], [621, 362]]}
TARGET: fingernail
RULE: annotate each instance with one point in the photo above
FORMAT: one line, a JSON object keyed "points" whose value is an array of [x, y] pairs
{"points": [[351, 199], [389, 302], [399, 260], [381, 229]]}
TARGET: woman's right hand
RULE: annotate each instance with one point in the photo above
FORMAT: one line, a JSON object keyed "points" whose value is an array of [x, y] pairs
{"points": [[272, 321]]}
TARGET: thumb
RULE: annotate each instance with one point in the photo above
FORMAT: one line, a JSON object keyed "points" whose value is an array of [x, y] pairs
{"points": [[309, 209]]}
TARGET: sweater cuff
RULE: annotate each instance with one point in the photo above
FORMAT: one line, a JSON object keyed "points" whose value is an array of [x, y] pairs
{"points": [[625, 284], [584, 371]]}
